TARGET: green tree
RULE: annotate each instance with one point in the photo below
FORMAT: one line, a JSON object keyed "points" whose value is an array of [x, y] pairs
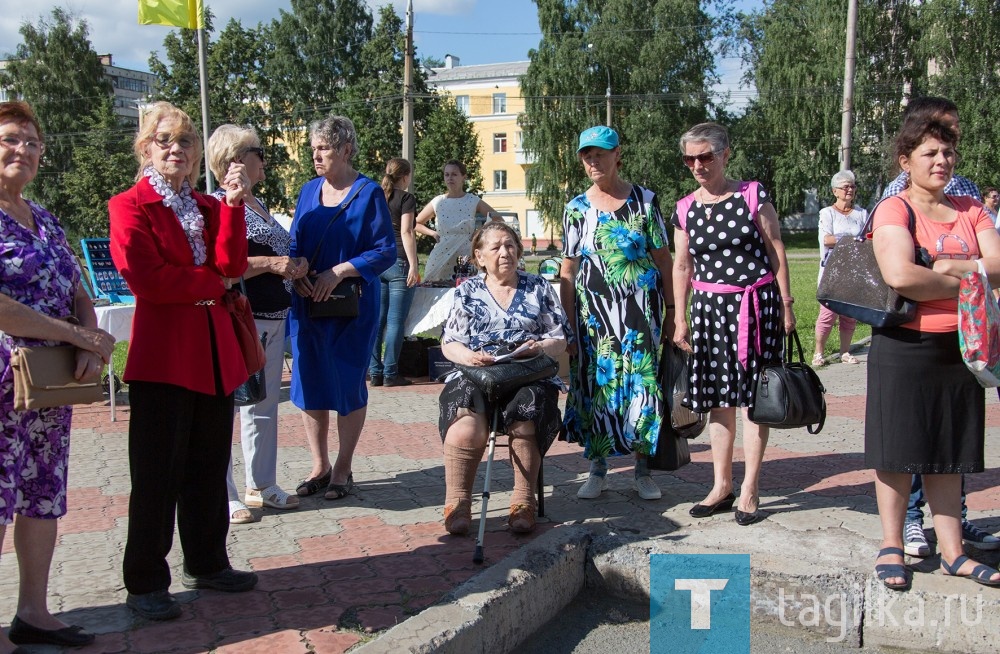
{"points": [[447, 134], [317, 50], [374, 100], [795, 56], [962, 44], [102, 165], [56, 70], [589, 45], [178, 73]]}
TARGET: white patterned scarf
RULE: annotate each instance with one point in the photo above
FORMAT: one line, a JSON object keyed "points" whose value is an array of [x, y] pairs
{"points": [[185, 207]]}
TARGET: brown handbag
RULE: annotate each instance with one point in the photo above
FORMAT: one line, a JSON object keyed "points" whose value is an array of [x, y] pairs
{"points": [[245, 329], [43, 378]]}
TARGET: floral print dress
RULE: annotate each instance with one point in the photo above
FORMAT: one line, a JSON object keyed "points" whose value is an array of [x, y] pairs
{"points": [[481, 324], [40, 271], [615, 401]]}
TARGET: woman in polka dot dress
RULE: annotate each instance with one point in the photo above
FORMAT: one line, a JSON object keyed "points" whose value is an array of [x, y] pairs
{"points": [[730, 259]]}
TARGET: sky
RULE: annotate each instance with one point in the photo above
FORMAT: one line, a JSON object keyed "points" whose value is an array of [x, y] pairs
{"points": [[476, 31]]}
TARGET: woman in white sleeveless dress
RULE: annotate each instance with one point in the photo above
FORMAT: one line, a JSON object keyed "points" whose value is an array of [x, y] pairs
{"points": [[455, 216]]}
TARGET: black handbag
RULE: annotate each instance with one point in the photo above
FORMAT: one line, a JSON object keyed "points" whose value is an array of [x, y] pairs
{"points": [[684, 421], [254, 389], [672, 451], [853, 286], [344, 301], [790, 394], [500, 379]]}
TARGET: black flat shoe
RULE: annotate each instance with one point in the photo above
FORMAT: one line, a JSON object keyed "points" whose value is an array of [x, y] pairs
{"points": [[743, 518], [22, 633], [705, 510]]}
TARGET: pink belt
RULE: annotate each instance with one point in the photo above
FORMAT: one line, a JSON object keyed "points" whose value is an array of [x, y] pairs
{"points": [[749, 297]]}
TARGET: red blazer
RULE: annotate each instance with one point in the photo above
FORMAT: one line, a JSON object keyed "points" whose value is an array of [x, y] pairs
{"points": [[171, 335]]}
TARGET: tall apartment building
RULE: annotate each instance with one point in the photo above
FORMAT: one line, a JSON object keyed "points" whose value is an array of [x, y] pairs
{"points": [[490, 95], [129, 88]]}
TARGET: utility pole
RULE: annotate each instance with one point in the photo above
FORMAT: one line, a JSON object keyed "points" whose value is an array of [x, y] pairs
{"points": [[203, 80], [847, 111], [408, 90], [607, 95]]}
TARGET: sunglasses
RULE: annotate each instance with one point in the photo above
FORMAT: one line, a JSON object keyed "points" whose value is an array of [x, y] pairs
{"points": [[704, 158], [166, 139], [257, 151]]}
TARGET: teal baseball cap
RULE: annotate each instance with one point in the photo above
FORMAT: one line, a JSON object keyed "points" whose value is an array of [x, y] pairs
{"points": [[598, 137]]}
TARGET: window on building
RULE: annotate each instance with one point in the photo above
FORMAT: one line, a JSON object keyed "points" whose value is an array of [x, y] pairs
{"points": [[499, 180], [462, 102], [500, 142], [499, 103]]}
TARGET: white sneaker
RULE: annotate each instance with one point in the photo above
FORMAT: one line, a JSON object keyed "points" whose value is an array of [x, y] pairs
{"points": [[647, 488], [593, 487], [914, 540]]}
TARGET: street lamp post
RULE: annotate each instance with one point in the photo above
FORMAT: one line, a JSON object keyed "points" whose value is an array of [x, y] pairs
{"points": [[607, 92], [607, 96]]}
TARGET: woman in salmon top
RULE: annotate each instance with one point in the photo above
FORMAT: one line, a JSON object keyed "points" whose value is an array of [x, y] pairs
{"points": [[934, 426]]}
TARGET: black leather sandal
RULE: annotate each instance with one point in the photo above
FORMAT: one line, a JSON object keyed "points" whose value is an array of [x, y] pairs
{"points": [[316, 484], [337, 491]]}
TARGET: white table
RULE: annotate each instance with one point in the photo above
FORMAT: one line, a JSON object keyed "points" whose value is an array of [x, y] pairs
{"points": [[430, 308], [115, 319]]}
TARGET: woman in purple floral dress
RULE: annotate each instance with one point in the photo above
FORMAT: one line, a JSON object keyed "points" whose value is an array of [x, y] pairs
{"points": [[39, 291]]}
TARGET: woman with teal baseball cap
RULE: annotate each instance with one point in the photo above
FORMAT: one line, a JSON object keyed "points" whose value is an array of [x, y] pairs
{"points": [[616, 284]]}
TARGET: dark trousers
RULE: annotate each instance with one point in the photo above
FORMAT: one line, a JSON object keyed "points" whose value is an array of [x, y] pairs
{"points": [[179, 445]]}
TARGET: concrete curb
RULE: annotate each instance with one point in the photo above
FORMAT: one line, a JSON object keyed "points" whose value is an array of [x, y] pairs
{"points": [[499, 608]]}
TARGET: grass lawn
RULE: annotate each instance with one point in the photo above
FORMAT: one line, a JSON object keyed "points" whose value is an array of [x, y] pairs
{"points": [[803, 267]]}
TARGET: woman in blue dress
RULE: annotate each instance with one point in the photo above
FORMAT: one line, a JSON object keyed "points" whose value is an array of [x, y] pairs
{"points": [[343, 228]]}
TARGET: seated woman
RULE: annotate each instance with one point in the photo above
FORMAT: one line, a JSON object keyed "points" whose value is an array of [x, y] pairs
{"points": [[497, 308]]}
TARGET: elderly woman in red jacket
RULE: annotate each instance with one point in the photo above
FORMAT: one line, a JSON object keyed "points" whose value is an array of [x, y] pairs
{"points": [[178, 250]]}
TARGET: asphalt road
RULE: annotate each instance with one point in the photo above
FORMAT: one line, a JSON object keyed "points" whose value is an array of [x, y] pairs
{"points": [[599, 625]]}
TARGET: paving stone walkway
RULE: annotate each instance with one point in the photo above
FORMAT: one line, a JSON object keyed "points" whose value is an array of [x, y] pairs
{"points": [[335, 573]]}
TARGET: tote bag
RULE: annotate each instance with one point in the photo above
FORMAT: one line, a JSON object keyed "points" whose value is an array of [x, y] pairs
{"points": [[979, 327]]}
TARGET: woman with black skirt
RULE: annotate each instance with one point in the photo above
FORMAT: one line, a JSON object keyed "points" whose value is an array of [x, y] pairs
{"points": [[925, 411]]}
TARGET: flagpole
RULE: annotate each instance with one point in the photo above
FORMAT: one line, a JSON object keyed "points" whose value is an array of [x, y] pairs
{"points": [[203, 79]]}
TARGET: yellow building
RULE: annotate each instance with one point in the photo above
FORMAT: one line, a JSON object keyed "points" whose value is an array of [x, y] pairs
{"points": [[490, 95]]}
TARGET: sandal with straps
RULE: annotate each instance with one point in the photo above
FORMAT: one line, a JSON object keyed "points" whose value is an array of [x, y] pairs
{"points": [[818, 360], [337, 491], [239, 514], [271, 497], [314, 485], [980, 574], [847, 357], [886, 571]]}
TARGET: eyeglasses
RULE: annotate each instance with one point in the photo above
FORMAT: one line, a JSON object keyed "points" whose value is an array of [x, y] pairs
{"points": [[704, 158], [257, 151], [166, 139], [13, 143], [847, 187]]}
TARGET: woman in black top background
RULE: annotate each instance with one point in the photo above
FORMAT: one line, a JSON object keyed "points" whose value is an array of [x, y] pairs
{"points": [[398, 281]]}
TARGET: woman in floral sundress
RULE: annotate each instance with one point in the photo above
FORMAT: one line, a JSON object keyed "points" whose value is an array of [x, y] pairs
{"points": [[615, 274]]}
